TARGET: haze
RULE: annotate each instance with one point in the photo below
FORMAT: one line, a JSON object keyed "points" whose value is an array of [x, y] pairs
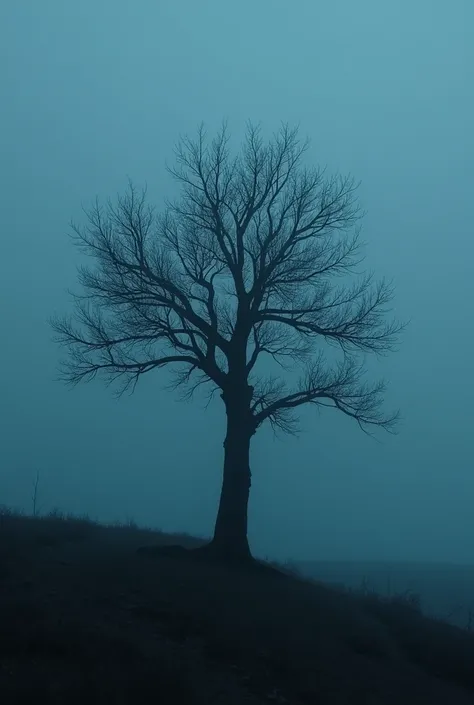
{"points": [[98, 91]]}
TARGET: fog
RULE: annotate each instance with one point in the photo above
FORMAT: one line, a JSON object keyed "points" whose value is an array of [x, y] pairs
{"points": [[99, 91]]}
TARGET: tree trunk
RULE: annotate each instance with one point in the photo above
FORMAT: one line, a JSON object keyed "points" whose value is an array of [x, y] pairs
{"points": [[230, 533]]}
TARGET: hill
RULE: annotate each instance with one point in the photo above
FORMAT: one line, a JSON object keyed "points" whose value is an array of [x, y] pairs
{"points": [[84, 617], [446, 590]]}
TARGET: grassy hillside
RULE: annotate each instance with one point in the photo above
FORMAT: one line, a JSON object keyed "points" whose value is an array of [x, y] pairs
{"points": [[446, 590], [85, 618]]}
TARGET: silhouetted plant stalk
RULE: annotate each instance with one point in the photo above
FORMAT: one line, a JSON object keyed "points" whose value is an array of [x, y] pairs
{"points": [[34, 496]]}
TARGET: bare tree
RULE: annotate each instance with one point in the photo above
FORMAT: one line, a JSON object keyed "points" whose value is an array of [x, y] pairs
{"points": [[241, 266]]}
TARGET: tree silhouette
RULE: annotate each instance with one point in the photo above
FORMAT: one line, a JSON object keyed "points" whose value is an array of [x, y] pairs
{"points": [[241, 267]]}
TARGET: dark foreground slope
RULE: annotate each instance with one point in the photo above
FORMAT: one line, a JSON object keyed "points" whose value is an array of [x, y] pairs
{"points": [[446, 590], [85, 619]]}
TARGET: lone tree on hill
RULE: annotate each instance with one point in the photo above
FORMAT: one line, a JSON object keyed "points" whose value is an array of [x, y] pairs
{"points": [[237, 269]]}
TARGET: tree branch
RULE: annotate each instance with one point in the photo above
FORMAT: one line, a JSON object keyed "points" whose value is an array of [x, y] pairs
{"points": [[339, 387]]}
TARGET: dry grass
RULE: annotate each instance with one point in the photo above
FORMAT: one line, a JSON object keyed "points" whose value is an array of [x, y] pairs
{"points": [[83, 618]]}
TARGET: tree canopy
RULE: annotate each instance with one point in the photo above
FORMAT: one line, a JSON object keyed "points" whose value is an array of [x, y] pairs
{"points": [[257, 257]]}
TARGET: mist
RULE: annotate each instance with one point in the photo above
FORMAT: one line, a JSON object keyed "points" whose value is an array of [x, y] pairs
{"points": [[96, 92]]}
